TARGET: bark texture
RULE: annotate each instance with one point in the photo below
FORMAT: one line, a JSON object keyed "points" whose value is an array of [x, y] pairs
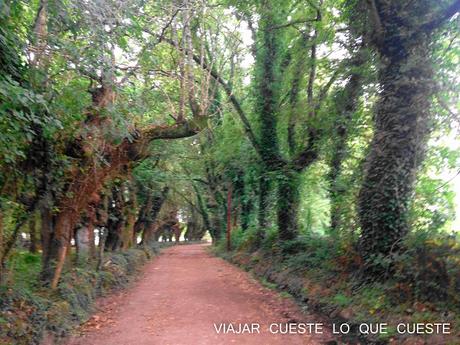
{"points": [[401, 122]]}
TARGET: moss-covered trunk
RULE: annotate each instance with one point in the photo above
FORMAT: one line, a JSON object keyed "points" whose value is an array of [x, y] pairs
{"points": [[150, 226], [288, 204], [49, 245], [401, 128]]}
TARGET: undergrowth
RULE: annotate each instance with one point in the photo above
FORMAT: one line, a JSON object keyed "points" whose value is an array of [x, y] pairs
{"points": [[28, 311], [423, 284]]}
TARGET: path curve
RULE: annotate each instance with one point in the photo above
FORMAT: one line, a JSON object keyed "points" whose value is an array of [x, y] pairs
{"points": [[182, 294]]}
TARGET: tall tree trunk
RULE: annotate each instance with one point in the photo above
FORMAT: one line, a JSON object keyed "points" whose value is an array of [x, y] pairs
{"points": [[33, 234], [49, 245], [65, 226], [130, 215], [213, 204], [264, 192], [151, 231], [229, 218], [82, 243], [402, 121], [91, 224], [247, 202], [268, 79], [84, 236], [288, 204], [157, 204], [128, 231], [102, 217], [203, 211], [140, 224], [102, 239], [117, 219]]}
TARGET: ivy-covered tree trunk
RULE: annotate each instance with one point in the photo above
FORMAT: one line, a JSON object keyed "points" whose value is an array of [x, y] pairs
{"points": [[264, 190], [156, 205], [246, 206], [267, 101], [402, 121], [288, 204]]}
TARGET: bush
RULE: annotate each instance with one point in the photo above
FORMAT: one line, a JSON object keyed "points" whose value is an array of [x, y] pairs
{"points": [[431, 268], [23, 316], [310, 251]]}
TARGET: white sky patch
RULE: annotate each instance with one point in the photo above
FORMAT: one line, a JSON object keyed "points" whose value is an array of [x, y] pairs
{"points": [[246, 36]]}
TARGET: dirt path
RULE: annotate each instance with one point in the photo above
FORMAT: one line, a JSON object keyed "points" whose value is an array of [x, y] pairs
{"points": [[180, 297]]}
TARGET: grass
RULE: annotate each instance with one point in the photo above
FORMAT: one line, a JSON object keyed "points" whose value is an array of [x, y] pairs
{"points": [[267, 284], [285, 294], [25, 269]]}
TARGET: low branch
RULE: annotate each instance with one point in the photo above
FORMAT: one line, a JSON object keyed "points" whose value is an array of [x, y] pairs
{"points": [[138, 148], [176, 131]]}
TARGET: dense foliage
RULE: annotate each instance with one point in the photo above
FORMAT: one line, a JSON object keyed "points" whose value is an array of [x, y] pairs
{"points": [[321, 133]]}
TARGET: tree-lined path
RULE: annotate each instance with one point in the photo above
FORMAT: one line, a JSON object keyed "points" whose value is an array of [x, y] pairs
{"points": [[319, 140], [182, 294]]}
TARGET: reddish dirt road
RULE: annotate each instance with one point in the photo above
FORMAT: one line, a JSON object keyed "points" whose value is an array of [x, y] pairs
{"points": [[182, 295]]}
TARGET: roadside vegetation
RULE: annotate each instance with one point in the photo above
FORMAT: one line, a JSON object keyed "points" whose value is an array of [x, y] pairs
{"points": [[315, 142]]}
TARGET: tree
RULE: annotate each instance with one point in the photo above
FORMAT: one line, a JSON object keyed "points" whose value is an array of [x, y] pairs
{"points": [[402, 35]]}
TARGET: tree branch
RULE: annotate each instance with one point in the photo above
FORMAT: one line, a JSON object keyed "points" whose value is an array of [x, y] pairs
{"points": [[309, 154], [377, 29], [293, 22], [228, 90], [442, 17]]}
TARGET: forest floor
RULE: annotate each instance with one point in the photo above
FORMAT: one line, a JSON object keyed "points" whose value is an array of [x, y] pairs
{"points": [[183, 295]]}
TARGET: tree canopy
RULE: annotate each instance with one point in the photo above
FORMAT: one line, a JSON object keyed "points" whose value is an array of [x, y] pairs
{"points": [[283, 122]]}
